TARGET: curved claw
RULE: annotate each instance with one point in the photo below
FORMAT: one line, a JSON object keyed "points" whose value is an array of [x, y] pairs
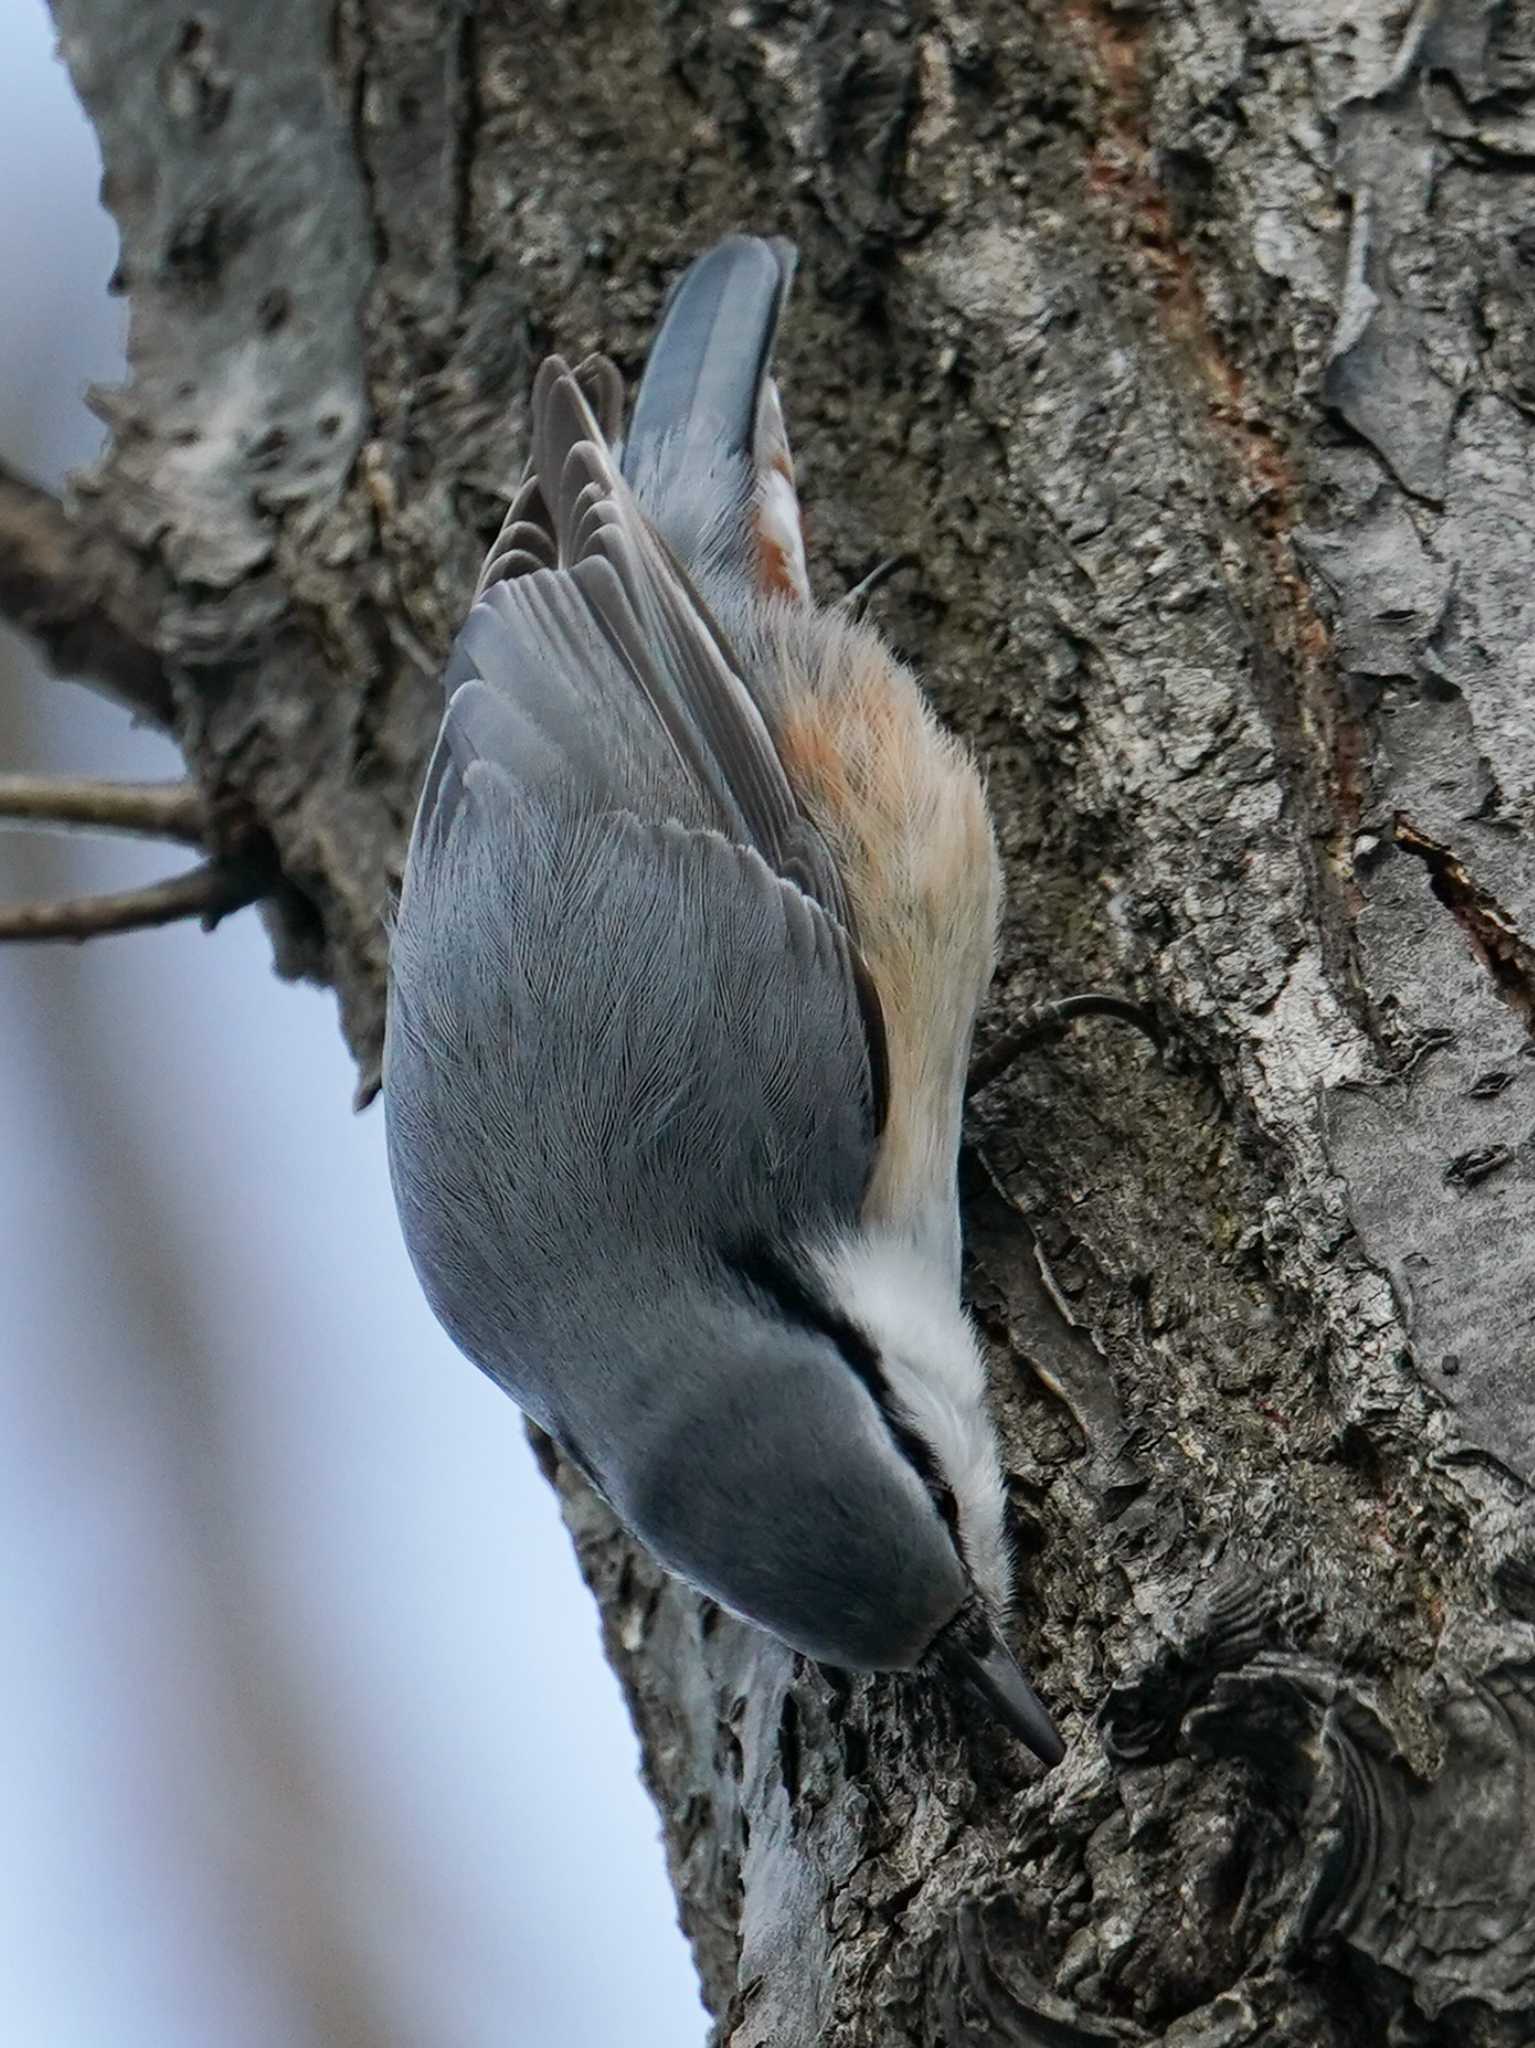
{"points": [[855, 602], [1049, 1021]]}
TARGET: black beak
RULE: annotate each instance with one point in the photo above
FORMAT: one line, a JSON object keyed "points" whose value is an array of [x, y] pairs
{"points": [[991, 1672]]}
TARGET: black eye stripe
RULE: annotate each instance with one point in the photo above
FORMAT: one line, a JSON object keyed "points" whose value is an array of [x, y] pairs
{"points": [[763, 1267]]}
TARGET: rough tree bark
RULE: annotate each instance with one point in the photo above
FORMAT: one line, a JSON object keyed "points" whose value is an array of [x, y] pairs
{"points": [[1188, 348]]}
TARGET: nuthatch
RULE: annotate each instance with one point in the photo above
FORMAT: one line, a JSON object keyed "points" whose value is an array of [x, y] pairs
{"points": [[699, 908]]}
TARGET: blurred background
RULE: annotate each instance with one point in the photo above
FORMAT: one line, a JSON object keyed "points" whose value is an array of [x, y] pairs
{"points": [[306, 1739]]}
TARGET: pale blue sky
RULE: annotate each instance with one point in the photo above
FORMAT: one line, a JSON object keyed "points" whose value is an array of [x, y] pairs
{"points": [[300, 1681]]}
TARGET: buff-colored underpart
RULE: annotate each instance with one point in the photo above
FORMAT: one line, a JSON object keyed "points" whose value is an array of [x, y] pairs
{"points": [[902, 806]]}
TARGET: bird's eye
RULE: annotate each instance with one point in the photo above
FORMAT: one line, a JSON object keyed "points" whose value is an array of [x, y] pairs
{"points": [[948, 1508], [766, 1269]]}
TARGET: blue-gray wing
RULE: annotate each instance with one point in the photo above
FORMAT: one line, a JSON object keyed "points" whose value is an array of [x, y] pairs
{"points": [[628, 1032], [617, 1050], [597, 643]]}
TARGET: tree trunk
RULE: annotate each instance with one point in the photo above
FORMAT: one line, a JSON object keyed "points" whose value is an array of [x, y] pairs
{"points": [[1188, 350]]}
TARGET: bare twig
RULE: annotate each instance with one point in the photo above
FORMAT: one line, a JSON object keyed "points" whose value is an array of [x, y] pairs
{"points": [[77, 592], [209, 892], [160, 810]]}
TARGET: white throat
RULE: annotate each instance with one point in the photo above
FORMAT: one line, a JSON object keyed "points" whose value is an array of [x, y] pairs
{"points": [[905, 1303]]}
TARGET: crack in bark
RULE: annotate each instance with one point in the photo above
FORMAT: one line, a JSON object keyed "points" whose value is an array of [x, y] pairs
{"points": [[464, 96], [1122, 172], [1491, 931], [1122, 175], [349, 24]]}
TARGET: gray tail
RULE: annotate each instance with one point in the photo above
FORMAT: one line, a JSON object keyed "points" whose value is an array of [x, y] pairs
{"points": [[689, 452]]}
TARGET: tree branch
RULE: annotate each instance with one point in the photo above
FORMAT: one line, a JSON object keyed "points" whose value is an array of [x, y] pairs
{"points": [[209, 892], [160, 810], [76, 593]]}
